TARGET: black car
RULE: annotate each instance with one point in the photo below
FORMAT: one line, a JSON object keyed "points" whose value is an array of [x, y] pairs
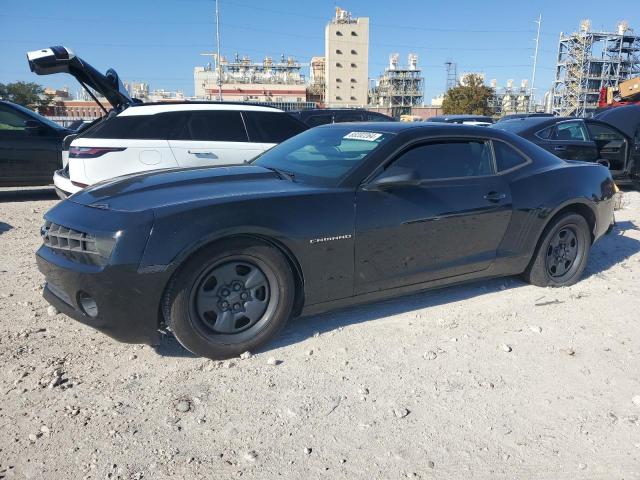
{"points": [[30, 146], [323, 116], [344, 213], [478, 120], [613, 139]]}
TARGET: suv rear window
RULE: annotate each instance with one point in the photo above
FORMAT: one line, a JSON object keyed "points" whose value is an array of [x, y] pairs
{"points": [[271, 127]]}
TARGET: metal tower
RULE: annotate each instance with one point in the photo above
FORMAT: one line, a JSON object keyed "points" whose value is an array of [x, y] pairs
{"points": [[452, 75], [589, 61]]}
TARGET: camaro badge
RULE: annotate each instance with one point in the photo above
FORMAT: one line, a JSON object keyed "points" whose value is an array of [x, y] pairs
{"points": [[329, 239]]}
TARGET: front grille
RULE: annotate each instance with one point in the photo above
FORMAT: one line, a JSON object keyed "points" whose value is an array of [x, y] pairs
{"points": [[59, 237]]}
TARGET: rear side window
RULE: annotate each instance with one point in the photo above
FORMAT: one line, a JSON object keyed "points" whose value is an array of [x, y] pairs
{"points": [[376, 117], [213, 126], [545, 133], [449, 159], [316, 120], [271, 127], [138, 127], [347, 117], [571, 131], [506, 157]]}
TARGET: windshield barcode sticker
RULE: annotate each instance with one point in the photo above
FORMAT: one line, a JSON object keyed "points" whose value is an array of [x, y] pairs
{"points": [[367, 136]]}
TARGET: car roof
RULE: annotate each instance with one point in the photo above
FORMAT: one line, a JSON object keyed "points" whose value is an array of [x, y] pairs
{"points": [[458, 117], [519, 125], [162, 107], [434, 128]]}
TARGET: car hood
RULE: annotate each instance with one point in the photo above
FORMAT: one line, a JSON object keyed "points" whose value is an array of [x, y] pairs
{"points": [[62, 60], [625, 118], [160, 188]]}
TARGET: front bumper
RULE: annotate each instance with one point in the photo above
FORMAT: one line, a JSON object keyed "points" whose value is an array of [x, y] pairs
{"points": [[127, 302], [63, 185], [127, 298]]}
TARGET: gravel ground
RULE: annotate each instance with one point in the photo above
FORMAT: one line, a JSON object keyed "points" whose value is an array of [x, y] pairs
{"points": [[490, 380]]}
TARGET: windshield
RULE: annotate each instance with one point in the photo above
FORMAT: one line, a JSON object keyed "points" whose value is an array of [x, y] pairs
{"points": [[322, 156]]}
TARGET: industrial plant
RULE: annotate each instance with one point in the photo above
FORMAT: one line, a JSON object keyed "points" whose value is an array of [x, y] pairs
{"points": [[589, 61]]}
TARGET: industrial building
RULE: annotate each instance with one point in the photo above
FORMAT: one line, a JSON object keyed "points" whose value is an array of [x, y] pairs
{"points": [[278, 83], [346, 71], [399, 88], [588, 61], [510, 99]]}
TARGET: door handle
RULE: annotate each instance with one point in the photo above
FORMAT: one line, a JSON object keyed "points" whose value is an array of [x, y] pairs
{"points": [[202, 154], [560, 148], [495, 196]]}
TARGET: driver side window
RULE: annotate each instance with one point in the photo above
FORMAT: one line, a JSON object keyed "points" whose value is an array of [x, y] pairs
{"points": [[448, 159], [11, 121]]}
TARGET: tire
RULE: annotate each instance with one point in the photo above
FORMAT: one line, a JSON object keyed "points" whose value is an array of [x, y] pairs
{"points": [[554, 263], [229, 298]]}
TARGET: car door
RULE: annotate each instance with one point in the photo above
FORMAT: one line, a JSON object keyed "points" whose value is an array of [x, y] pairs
{"points": [[212, 137], [29, 149], [570, 140], [612, 145], [449, 223]]}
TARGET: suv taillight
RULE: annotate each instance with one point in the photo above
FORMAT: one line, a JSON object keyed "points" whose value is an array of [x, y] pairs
{"points": [[91, 152]]}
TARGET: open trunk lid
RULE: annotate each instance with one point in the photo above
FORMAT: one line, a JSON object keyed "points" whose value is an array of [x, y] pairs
{"points": [[62, 60]]}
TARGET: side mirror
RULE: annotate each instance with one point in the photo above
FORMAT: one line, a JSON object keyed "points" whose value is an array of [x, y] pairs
{"points": [[33, 127], [394, 177], [604, 163]]}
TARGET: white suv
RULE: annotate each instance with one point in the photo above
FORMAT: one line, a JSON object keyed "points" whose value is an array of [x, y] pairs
{"points": [[136, 137]]}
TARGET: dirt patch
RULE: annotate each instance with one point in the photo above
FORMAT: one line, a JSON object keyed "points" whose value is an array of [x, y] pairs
{"points": [[495, 379]]}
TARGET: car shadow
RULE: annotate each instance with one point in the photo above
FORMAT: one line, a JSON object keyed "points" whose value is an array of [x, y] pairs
{"points": [[4, 227], [170, 347], [28, 194], [610, 250]]}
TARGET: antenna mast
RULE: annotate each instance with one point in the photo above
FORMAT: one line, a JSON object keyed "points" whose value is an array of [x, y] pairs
{"points": [[532, 100], [218, 63]]}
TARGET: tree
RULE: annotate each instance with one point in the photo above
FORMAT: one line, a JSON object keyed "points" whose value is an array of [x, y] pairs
{"points": [[473, 98], [28, 94]]}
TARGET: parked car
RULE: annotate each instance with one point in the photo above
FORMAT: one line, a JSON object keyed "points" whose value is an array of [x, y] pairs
{"points": [[136, 137], [515, 116], [30, 146], [321, 116], [611, 138], [339, 214], [477, 120]]}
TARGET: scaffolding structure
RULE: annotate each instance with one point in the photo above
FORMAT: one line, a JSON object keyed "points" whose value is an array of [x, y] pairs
{"points": [[399, 89], [589, 61]]}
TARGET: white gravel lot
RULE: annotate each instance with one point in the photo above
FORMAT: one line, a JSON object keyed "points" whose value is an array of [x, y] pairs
{"points": [[490, 380]]}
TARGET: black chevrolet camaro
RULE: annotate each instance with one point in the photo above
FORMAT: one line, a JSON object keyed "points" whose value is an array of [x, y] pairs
{"points": [[223, 256]]}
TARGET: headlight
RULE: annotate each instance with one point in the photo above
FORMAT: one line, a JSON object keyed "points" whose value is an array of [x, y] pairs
{"points": [[59, 237]]}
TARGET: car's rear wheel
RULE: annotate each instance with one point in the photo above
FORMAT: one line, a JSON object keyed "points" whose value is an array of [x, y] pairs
{"points": [[562, 252], [230, 298]]}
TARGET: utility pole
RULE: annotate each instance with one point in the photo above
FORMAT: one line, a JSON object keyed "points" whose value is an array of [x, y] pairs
{"points": [[218, 64], [532, 100]]}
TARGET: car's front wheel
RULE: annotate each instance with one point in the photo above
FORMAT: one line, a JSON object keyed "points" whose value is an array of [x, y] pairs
{"points": [[562, 252], [230, 298]]}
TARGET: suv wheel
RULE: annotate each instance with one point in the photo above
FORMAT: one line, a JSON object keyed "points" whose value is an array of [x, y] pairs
{"points": [[230, 298]]}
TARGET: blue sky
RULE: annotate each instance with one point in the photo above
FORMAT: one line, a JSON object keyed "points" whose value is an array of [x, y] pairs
{"points": [[160, 41]]}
